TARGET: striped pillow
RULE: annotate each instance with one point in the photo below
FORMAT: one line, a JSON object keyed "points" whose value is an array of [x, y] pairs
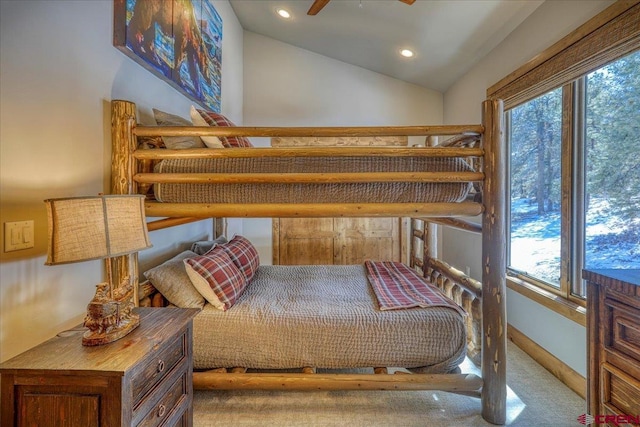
{"points": [[215, 119], [244, 255], [216, 277]]}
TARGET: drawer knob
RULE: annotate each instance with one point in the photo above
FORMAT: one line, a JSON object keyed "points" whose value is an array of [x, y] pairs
{"points": [[161, 411], [160, 365]]}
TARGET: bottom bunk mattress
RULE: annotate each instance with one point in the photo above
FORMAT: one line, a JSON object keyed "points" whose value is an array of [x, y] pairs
{"points": [[324, 317]]}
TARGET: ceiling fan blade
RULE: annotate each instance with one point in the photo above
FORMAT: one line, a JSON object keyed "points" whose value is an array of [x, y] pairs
{"points": [[317, 6], [409, 2]]}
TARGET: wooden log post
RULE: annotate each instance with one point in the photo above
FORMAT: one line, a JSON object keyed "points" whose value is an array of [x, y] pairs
{"points": [[494, 315], [458, 223], [123, 120], [211, 380], [310, 210], [416, 247], [305, 177], [269, 131], [169, 222], [471, 304], [219, 227]]}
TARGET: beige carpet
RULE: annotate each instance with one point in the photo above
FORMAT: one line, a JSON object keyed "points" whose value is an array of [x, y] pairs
{"points": [[535, 399]]}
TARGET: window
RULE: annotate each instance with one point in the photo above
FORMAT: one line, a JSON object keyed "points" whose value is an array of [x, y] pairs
{"points": [[597, 223], [573, 120], [534, 136], [612, 205]]}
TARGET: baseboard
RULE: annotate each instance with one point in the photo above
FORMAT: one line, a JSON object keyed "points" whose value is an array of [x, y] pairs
{"points": [[558, 368]]}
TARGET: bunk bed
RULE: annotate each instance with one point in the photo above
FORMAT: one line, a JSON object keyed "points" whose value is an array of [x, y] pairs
{"points": [[435, 180]]}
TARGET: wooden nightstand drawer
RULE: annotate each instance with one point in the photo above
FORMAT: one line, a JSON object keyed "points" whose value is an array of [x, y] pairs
{"points": [[165, 400], [155, 368]]}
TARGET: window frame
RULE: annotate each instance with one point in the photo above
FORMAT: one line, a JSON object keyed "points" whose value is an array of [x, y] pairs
{"points": [[608, 36], [572, 199], [564, 203]]}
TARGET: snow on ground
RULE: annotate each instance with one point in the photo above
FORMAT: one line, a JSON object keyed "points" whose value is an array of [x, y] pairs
{"points": [[535, 240]]}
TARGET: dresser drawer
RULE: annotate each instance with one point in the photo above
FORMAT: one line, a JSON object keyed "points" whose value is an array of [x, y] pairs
{"points": [[620, 393], [156, 367], [624, 328], [168, 401]]}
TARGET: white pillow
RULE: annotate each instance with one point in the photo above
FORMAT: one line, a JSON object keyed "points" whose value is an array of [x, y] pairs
{"points": [[172, 281], [198, 120]]}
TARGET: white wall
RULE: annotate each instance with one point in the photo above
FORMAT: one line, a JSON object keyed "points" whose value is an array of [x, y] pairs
{"points": [[288, 86], [549, 23], [58, 72]]}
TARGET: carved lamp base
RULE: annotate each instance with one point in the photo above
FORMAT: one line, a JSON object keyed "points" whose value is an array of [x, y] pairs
{"points": [[93, 338], [109, 314]]}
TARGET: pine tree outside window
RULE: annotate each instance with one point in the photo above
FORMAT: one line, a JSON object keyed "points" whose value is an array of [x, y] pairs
{"points": [[602, 227], [573, 126]]}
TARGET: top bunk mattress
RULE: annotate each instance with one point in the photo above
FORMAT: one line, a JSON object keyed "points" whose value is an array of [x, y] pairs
{"points": [[324, 317], [368, 192]]}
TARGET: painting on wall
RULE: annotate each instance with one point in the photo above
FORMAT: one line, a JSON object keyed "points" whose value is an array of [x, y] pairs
{"points": [[178, 40]]}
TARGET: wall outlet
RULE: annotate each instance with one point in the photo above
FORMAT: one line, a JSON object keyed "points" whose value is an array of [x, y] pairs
{"points": [[467, 270], [18, 235]]}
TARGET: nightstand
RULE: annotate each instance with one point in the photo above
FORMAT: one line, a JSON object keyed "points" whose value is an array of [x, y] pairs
{"points": [[143, 379], [613, 350]]}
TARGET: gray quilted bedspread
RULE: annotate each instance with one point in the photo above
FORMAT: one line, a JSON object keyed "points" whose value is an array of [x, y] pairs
{"points": [[372, 192], [325, 317]]}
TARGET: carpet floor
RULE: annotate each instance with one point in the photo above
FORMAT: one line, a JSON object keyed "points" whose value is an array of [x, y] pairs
{"points": [[535, 398]]}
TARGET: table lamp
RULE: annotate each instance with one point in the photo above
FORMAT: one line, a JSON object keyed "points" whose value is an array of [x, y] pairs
{"points": [[100, 227]]}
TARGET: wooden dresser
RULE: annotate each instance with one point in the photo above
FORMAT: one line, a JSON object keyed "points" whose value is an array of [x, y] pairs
{"points": [[613, 352], [143, 379]]}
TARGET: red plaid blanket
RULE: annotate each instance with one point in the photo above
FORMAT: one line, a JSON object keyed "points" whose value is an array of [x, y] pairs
{"points": [[398, 286]]}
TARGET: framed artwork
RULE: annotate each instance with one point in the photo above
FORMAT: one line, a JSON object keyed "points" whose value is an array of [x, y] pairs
{"points": [[178, 40]]}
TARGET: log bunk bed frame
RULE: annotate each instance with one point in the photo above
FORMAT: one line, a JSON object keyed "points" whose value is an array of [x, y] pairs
{"points": [[485, 301]]}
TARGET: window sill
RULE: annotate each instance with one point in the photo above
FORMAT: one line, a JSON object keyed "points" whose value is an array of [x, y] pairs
{"points": [[553, 302]]}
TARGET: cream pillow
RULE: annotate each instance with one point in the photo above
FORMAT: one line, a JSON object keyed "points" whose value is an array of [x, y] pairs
{"points": [[198, 120], [171, 280], [176, 142]]}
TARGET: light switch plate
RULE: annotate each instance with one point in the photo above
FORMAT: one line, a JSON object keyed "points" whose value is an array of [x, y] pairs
{"points": [[18, 235]]}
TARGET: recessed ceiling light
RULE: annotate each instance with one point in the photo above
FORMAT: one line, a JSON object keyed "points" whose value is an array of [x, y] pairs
{"points": [[407, 53], [283, 13]]}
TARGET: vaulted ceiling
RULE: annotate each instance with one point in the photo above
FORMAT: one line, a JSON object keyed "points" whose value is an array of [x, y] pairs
{"points": [[448, 37]]}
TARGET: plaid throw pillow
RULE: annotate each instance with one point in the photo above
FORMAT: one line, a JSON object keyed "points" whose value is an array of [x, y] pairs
{"points": [[215, 119], [244, 255], [216, 277]]}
